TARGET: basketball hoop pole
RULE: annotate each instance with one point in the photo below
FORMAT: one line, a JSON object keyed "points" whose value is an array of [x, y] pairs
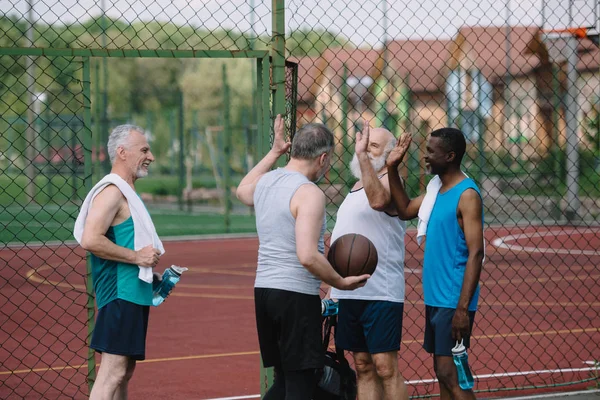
{"points": [[562, 46]]}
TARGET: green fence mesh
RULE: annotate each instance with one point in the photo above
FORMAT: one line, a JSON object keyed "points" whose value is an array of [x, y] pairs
{"points": [[515, 78], [528, 106], [43, 310]]}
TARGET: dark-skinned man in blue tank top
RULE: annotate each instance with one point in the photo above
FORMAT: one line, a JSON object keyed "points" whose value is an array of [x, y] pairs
{"points": [[454, 250]]}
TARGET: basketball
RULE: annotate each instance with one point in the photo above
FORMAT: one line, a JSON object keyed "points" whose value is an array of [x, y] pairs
{"points": [[353, 255]]}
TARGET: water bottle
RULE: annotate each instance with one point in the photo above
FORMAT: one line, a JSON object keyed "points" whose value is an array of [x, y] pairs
{"points": [[461, 360], [169, 278], [329, 307]]}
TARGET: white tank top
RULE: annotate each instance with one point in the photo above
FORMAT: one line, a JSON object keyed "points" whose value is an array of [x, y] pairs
{"points": [[278, 264], [355, 215]]}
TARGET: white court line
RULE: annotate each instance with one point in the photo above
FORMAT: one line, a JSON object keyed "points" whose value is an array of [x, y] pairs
{"points": [[502, 242], [486, 376], [551, 395]]}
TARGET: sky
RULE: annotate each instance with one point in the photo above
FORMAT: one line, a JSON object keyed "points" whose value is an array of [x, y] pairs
{"points": [[361, 21]]}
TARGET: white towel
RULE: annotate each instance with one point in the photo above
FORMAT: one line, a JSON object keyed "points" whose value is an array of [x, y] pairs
{"points": [[145, 233], [433, 188]]}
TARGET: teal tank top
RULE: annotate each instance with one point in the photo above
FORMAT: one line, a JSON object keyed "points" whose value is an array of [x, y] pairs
{"points": [[446, 251], [115, 280]]}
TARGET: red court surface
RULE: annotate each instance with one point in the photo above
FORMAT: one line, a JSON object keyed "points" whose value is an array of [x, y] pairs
{"points": [[539, 313]]}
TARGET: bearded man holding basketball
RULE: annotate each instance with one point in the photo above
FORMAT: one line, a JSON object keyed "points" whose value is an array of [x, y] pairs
{"points": [[370, 318], [454, 249], [290, 221]]}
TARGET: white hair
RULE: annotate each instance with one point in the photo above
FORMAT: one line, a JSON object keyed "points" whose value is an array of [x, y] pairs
{"points": [[119, 137]]}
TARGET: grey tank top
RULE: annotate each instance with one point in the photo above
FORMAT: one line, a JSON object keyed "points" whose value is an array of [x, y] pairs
{"points": [[278, 264]]}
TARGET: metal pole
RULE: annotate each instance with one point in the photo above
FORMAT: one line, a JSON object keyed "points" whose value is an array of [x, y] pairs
{"points": [[278, 56], [227, 152], [346, 152], [385, 72], [181, 146], [30, 135], [97, 122], [543, 12], [481, 129], [573, 201], [507, 78], [87, 180], [253, 116], [105, 126]]}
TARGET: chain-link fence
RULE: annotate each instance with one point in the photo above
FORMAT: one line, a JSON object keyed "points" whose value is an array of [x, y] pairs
{"points": [[517, 79], [523, 87], [44, 303]]}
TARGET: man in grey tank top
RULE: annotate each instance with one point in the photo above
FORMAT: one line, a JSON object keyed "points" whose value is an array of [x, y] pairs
{"points": [[290, 221]]}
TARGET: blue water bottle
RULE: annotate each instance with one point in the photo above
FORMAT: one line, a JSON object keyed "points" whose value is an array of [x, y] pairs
{"points": [[329, 307], [169, 278], [461, 360]]}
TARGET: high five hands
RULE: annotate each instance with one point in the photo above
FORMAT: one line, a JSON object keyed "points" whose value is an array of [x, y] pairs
{"points": [[362, 139], [399, 151]]}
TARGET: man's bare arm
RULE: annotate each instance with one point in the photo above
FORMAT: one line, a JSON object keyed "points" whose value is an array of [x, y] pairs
{"points": [[100, 217], [377, 190], [308, 207], [470, 208], [406, 208], [245, 190], [378, 195]]}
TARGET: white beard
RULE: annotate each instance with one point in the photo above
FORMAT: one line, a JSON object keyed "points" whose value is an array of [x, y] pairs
{"points": [[141, 173], [377, 163]]}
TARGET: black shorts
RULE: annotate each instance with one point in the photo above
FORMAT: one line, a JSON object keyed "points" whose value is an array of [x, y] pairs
{"points": [[438, 331], [369, 326], [289, 329], [121, 329]]}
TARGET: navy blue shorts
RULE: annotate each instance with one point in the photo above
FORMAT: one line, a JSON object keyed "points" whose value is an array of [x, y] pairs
{"points": [[121, 329], [369, 326], [438, 331]]}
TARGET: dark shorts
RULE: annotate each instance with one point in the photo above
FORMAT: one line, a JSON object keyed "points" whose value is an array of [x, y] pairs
{"points": [[438, 331], [121, 329], [289, 329], [369, 326]]}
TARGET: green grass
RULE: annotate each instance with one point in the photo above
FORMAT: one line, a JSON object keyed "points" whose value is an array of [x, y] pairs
{"points": [[62, 189], [55, 223]]}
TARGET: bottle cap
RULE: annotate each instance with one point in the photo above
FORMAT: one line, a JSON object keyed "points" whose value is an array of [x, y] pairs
{"points": [[459, 348], [178, 270]]}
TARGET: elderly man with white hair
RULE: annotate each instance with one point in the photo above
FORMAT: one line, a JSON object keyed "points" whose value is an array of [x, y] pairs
{"points": [[370, 318], [115, 227]]}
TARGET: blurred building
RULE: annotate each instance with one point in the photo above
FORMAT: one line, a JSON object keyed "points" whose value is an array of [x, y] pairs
{"points": [[496, 84]]}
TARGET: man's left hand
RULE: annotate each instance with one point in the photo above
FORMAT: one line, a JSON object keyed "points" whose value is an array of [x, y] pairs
{"points": [[280, 144], [460, 325]]}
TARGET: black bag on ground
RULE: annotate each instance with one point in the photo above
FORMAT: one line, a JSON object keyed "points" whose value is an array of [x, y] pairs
{"points": [[338, 380]]}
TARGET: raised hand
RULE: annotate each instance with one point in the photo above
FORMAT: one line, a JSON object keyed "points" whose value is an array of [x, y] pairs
{"points": [[397, 154], [362, 139], [280, 144]]}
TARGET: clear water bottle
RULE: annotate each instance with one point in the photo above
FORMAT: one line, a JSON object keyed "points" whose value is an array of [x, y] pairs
{"points": [[461, 360], [169, 278], [329, 307]]}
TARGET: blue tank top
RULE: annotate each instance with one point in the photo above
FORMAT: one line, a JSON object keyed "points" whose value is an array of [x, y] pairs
{"points": [[446, 251], [116, 280]]}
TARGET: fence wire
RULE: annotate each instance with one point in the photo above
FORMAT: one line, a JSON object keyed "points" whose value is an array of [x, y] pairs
{"points": [[529, 110], [523, 89], [43, 315]]}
